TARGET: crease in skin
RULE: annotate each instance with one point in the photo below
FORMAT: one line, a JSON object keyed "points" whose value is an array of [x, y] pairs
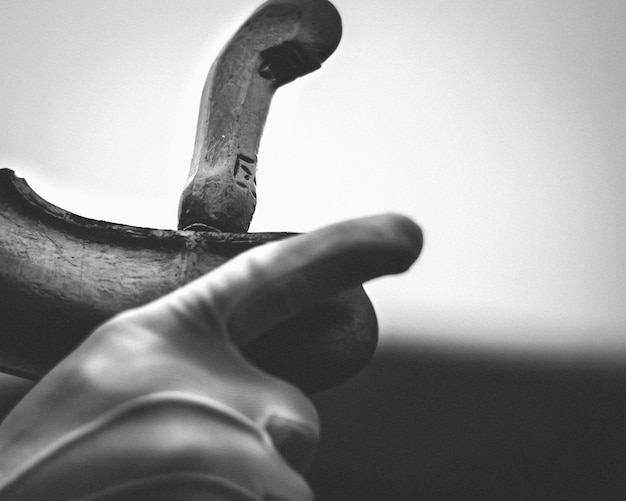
{"points": [[91, 428], [211, 483]]}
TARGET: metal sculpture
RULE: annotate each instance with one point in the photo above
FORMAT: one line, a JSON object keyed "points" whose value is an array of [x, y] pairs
{"points": [[158, 401], [62, 275]]}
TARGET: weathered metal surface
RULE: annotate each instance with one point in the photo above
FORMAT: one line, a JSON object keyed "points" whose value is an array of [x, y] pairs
{"points": [[61, 275], [281, 41]]}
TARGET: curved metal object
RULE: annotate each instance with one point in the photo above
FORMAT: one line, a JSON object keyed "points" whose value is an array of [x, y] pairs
{"points": [[281, 41], [61, 275]]}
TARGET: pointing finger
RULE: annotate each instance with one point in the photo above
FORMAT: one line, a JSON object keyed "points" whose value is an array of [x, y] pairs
{"points": [[269, 284]]}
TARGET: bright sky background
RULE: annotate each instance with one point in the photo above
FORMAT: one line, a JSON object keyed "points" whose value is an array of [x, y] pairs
{"points": [[497, 125]]}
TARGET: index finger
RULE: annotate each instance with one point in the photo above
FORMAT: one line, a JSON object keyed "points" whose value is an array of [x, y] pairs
{"points": [[276, 281]]}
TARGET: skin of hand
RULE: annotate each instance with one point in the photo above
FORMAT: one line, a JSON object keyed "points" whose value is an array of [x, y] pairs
{"points": [[159, 404]]}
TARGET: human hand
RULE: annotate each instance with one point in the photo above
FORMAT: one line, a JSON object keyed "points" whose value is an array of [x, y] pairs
{"points": [[159, 404]]}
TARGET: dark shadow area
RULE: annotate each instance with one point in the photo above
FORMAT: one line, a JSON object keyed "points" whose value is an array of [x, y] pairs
{"points": [[438, 424]]}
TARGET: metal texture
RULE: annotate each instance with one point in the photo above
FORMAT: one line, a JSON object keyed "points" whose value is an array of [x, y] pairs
{"points": [[281, 41], [61, 275]]}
